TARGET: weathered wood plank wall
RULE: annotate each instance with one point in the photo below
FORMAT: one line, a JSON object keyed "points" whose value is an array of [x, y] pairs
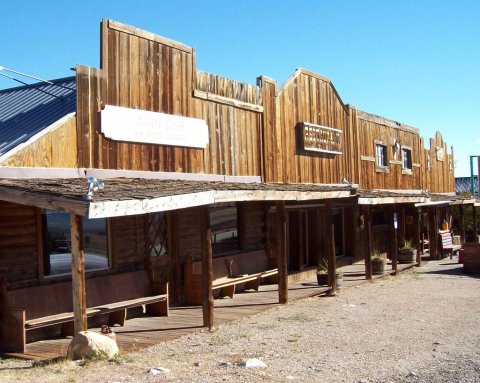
{"points": [[55, 149], [371, 129], [127, 242], [147, 72], [252, 129], [254, 221], [18, 244], [305, 97], [438, 171]]}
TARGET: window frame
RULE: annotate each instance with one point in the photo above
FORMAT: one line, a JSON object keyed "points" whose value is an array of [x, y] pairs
{"points": [[407, 167], [381, 167], [237, 245], [46, 254]]}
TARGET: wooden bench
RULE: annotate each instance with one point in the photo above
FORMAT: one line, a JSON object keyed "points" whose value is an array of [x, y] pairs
{"points": [[447, 244], [48, 305], [239, 271]]}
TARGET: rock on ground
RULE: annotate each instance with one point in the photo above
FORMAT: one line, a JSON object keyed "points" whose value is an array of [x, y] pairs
{"points": [[92, 344]]}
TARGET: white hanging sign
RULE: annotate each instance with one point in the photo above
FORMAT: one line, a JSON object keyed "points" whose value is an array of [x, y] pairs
{"points": [[134, 125]]}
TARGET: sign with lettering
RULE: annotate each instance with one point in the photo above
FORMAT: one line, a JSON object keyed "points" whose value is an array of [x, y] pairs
{"points": [[440, 153], [134, 125], [319, 138]]}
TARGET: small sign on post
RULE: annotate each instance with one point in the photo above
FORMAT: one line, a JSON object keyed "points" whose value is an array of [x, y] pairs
{"points": [[395, 220]]}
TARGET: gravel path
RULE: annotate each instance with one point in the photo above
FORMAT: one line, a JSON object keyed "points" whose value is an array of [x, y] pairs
{"points": [[422, 326]]}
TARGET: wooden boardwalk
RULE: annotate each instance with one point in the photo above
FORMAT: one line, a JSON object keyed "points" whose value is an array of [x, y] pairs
{"points": [[142, 332]]}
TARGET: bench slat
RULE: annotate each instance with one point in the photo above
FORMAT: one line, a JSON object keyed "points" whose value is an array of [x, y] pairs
{"points": [[226, 281], [55, 319], [131, 303], [247, 268]]}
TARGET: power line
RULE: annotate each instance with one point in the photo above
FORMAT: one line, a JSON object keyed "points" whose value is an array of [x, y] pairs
{"points": [[29, 76], [24, 83]]}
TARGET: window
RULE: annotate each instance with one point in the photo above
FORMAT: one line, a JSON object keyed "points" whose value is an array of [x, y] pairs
{"points": [[380, 155], [58, 254], [157, 235], [224, 227], [407, 159]]}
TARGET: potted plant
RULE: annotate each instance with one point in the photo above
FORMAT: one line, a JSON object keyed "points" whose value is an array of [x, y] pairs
{"points": [[407, 253], [322, 274], [378, 262]]}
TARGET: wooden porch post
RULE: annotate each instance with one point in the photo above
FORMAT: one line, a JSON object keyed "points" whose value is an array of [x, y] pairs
{"points": [[281, 242], [368, 253], [332, 262], [462, 225], [207, 268], [432, 233], [393, 236], [474, 215], [78, 275], [418, 235]]}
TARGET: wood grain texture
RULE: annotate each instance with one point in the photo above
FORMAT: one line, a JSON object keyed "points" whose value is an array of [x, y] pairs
{"points": [[143, 71], [253, 130], [304, 98], [371, 129], [439, 176], [57, 148], [78, 275], [18, 244]]}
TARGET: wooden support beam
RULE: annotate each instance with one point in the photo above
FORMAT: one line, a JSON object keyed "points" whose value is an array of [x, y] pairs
{"points": [[462, 224], [433, 233], [401, 230], [78, 275], [281, 244], [474, 216], [175, 273], [368, 251], [393, 237], [207, 268], [332, 262], [418, 236]]}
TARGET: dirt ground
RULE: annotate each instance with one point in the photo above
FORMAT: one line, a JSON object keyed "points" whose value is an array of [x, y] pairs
{"points": [[421, 326]]}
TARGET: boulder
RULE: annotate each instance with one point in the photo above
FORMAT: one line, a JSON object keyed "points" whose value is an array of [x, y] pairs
{"points": [[92, 344]]}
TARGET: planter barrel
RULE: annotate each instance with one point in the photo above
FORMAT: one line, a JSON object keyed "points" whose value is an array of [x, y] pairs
{"points": [[407, 255], [322, 279], [378, 267]]}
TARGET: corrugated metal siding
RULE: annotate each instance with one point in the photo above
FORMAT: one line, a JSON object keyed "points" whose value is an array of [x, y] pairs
{"points": [[26, 111], [463, 184]]}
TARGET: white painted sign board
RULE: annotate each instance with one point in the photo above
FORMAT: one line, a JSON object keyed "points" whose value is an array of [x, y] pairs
{"points": [[134, 125]]}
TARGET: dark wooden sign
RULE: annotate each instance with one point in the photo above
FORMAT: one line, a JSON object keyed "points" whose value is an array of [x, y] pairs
{"points": [[319, 138]]}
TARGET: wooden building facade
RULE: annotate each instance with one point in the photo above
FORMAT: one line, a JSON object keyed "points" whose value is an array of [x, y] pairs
{"points": [[274, 174]]}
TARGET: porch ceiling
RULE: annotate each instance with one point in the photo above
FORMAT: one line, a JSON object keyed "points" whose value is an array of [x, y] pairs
{"points": [[126, 196]]}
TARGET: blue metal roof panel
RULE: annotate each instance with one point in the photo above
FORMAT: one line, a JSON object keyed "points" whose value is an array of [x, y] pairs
{"points": [[463, 184], [27, 110]]}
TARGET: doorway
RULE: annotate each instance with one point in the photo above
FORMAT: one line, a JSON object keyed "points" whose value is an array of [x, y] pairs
{"points": [[298, 254]]}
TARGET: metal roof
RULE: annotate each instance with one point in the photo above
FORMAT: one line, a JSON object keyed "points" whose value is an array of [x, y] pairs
{"points": [[463, 184], [27, 110]]}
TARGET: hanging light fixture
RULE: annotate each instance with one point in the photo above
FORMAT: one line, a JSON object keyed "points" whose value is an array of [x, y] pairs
{"points": [[93, 186]]}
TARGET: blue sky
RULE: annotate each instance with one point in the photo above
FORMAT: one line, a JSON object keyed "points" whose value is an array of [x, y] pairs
{"points": [[413, 61]]}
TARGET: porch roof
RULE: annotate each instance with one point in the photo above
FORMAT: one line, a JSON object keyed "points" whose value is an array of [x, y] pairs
{"points": [[453, 199], [381, 197], [130, 196]]}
